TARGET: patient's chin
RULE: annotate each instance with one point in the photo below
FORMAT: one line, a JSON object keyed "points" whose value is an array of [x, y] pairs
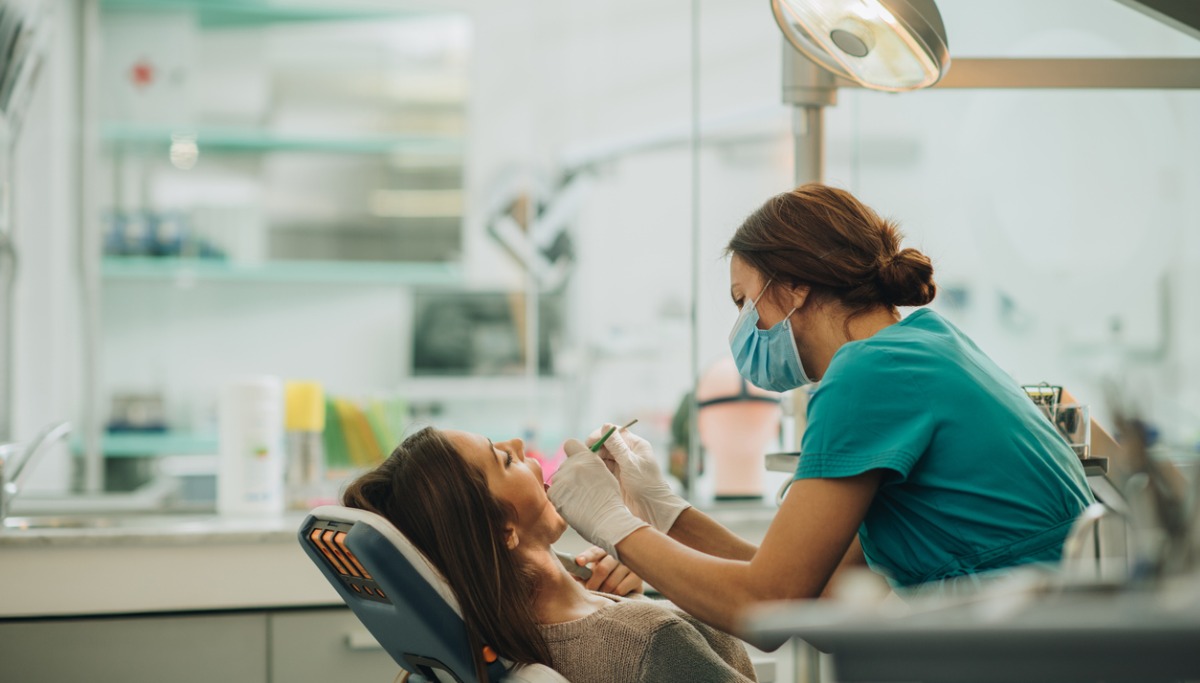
{"points": [[560, 527]]}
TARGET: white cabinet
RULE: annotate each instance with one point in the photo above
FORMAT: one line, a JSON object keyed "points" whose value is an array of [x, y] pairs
{"points": [[231, 648], [285, 646]]}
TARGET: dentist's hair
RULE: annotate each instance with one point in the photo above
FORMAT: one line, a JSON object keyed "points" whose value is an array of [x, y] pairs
{"points": [[443, 505], [825, 238]]}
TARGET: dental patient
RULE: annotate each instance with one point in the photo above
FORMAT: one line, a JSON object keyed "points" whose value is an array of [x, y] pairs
{"points": [[478, 511]]}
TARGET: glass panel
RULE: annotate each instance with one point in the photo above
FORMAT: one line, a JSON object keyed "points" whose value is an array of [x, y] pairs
{"points": [[339, 145], [1059, 223], [746, 158]]}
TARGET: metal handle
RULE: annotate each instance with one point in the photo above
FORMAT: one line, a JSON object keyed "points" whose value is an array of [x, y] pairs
{"points": [[568, 562], [361, 640]]}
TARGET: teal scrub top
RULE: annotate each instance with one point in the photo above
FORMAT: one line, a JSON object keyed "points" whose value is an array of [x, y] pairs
{"points": [[975, 477]]}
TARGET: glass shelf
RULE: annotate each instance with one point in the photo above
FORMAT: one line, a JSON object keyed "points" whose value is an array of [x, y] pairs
{"points": [[233, 13], [142, 444], [366, 272], [251, 140]]}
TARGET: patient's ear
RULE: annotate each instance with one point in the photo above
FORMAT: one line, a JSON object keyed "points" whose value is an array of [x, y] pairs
{"points": [[511, 540]]}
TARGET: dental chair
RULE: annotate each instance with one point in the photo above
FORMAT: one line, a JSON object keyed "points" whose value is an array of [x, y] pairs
{"points": [[401, 599]]}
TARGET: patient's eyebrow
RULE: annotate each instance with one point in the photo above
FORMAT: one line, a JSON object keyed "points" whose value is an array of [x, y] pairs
{"points": [[495, 457]]}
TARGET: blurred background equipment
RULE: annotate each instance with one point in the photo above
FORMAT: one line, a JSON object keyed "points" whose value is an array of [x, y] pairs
{"points": [[23, 33], [482, 333], [738, 423]]}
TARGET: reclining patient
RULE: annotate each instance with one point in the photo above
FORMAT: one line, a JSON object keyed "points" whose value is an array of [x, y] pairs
{"points": [[478, 511]]}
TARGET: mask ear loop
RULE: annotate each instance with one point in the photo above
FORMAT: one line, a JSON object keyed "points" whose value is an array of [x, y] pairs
{"points": [[763, 293], [757, 299]]}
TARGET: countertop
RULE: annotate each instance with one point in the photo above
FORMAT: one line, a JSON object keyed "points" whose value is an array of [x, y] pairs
{"points": [[133, 564], [160, 563], [157, 529], [183, 529]]}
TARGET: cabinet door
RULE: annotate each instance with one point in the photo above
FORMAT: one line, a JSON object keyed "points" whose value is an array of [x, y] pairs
{"points": [[318, 646], [192, 649]]}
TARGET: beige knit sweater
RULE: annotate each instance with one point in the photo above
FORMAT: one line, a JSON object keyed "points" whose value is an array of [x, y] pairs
{"points": [[640, 640]]}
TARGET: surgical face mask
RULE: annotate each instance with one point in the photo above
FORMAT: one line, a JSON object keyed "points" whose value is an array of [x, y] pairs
{"points": [[767, 358]]}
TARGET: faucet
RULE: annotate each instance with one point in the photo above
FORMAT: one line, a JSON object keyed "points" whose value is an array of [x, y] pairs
{"points": [[16, 463]]}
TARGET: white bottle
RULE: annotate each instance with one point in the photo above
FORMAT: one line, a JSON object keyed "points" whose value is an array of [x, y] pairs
{"points": [[250, 473]]}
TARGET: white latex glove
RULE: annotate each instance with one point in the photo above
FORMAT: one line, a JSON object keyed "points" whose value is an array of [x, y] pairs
{"points": [[643, 487], [587, 495]]}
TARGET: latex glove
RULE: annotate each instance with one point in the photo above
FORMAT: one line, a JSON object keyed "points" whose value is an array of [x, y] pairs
{"points": [[588, 496], [643, 487]]}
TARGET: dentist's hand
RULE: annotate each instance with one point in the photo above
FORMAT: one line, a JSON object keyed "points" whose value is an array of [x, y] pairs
{"points": [[608, 575], [587, 495], [643, 487]]}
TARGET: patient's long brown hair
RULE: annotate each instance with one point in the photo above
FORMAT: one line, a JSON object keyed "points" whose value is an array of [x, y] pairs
{"points": [[443, 505]]}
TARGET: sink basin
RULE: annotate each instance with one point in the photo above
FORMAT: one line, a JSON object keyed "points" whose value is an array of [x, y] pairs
{"points": [[101, 521], [57, 522], [80, 507]]}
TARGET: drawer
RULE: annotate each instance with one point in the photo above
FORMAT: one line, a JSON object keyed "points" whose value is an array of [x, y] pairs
{"points": [[325, 645]]}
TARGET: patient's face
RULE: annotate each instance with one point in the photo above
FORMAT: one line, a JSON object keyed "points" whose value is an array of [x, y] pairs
{"points": [[515, 480]]}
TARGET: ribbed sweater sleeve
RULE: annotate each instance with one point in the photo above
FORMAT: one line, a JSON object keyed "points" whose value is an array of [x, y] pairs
{"points": [[637, 641], [677, 653]]}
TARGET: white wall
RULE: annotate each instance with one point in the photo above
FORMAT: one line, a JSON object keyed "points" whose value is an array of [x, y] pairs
{"points": [[1075, 207], [47, 334]]}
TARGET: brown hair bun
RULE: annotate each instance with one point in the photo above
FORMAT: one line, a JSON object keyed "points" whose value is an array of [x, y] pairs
{"points": [[825, 238]]}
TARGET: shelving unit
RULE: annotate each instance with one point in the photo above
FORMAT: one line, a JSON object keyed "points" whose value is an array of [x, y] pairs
{"points": [[306, 233]]}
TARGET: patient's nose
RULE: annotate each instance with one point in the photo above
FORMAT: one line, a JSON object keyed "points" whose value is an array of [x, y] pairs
{"points": [[517, 446]]}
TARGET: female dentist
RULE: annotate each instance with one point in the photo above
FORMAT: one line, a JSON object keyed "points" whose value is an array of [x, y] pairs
{"points": [[920, 453]]}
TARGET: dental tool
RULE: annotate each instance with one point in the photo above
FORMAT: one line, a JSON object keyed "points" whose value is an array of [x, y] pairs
{"points": [[568, 562], [596, 446]]}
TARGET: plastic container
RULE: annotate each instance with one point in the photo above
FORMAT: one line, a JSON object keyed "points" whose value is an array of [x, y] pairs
{"points": [[250, 472], [304, 419]]}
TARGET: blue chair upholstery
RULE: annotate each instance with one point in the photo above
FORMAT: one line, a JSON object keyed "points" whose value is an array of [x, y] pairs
{"points": [[399, 596]]}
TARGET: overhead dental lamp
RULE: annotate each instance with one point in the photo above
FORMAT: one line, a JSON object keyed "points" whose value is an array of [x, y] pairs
{"points": [[892, 45]]}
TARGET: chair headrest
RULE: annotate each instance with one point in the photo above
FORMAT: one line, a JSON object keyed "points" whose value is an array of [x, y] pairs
{"points": [[340, 513], [356, 551]]}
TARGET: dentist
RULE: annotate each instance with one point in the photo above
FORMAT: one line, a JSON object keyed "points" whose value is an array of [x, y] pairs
{"points": [[920, 456]]}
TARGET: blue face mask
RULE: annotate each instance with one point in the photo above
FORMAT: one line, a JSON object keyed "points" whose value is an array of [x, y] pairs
{"points": [[768, 359]]}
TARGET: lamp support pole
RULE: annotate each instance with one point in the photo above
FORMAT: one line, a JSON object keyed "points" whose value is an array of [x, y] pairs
{"points": [[809, 89]]}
